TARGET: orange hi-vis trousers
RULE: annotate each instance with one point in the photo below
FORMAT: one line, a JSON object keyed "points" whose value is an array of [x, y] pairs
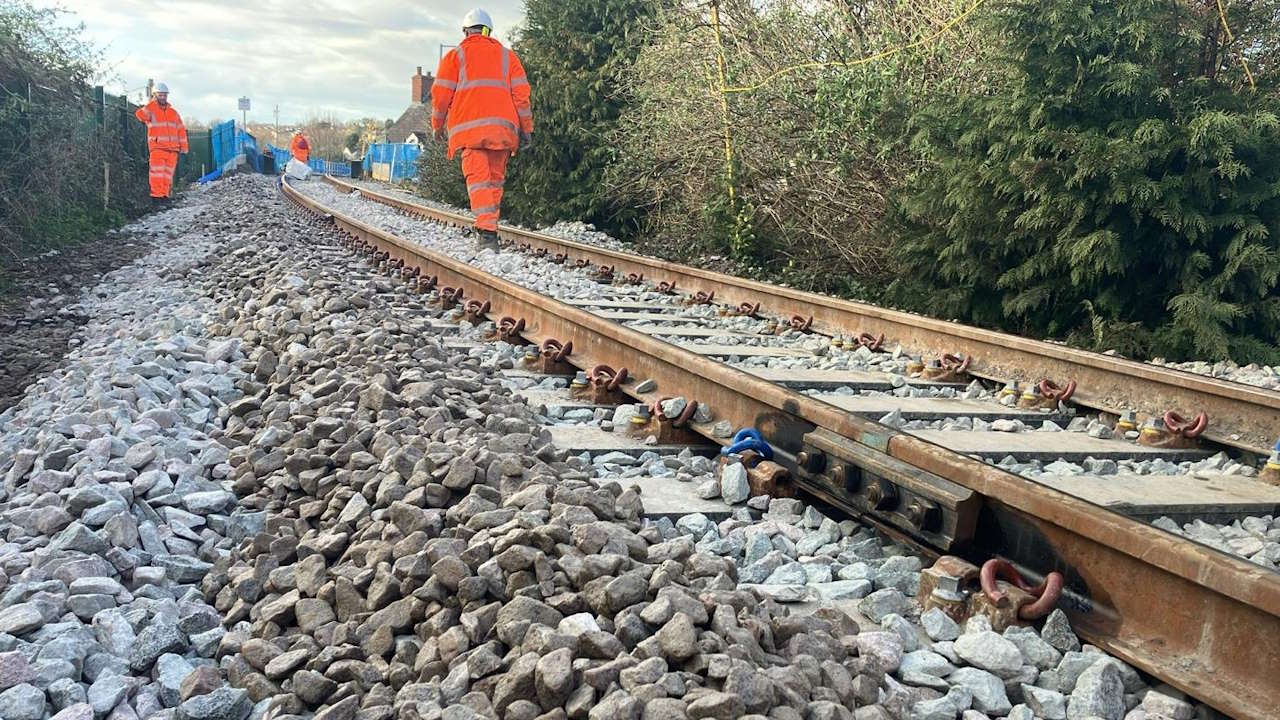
{"points": [[163, 165], [486, 171]]}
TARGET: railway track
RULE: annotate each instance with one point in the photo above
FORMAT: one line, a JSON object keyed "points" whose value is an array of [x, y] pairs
{"points": [[1183, 612]]}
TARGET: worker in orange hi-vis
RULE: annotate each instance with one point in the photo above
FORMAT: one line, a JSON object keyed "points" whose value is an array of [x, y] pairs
{"points": [[299, 148], [480, 100], [166, 137]]}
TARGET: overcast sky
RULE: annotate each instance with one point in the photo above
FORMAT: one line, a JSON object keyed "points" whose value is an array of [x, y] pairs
{"points": [[351, 58]]}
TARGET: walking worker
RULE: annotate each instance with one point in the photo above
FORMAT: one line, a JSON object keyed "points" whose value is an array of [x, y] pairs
{"points": [[480, 101], [299, 148], [166, 137]]}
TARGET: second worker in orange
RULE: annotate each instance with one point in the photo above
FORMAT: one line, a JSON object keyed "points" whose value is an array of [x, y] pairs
{"points": [[480, 101]]}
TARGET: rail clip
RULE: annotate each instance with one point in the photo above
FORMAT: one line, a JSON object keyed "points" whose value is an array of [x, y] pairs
{"points": [[996, 591], [551, 358], [603, 386], [508, 330], [1173, 431]]}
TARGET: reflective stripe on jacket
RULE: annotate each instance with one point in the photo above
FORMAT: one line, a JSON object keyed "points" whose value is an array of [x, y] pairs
{"points": [[165, 130], [481, 94]]}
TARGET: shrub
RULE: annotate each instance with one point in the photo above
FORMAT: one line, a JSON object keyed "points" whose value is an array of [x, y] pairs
{"points": [[1115, 180]]}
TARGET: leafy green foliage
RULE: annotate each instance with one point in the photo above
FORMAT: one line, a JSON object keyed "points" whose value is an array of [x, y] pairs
{"points": [[53, 141], [575, 52], [1109, 182], [818, 152], [440, 178]]}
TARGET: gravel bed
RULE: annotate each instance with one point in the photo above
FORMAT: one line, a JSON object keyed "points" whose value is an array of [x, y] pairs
{"points": [[576, 231], [1256, 539], [262, 486], [113, 506], [39, 310]]}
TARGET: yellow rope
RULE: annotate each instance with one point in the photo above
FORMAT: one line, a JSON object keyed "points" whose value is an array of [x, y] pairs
{"points": [[850, 63], [1222, 14]]}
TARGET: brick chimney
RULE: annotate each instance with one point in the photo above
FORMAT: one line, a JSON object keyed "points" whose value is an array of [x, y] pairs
{"points": [[421, 87]]}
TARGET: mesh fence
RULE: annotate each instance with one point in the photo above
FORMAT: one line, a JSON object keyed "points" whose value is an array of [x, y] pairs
{"points": [[392, 162]]}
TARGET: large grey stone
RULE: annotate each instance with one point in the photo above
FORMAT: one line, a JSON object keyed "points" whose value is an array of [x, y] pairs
{"points": [[77, 711], [1046, 703], [1099, 692], [21, 619], [1057, 632], [991, 652], [881, 651], [885, 602], [14, 670], [155, 640], [225, 703], [734, 487], [678, 638], [205, 503], [106, 692], [717, 705], [988, 690], [1035, 650], [925, 662], [22, 702], [170, 671], [938, 625]]}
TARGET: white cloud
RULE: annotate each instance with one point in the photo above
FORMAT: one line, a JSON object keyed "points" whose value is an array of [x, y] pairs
{"points": [[346, 58]]}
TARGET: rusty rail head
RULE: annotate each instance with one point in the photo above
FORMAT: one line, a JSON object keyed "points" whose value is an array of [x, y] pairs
{"points": [[1243, 416]]}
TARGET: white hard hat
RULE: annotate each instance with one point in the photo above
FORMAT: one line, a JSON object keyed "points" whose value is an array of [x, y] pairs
{"points": [[161, 88], [477, 17]]}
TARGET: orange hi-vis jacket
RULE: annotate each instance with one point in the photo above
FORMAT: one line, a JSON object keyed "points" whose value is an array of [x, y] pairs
{"points": [[481, 90], [299, 149], [165, 130]]}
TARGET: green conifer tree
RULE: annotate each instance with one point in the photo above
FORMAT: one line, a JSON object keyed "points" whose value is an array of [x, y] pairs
{"points": [[574, 52], [1119, 180]]}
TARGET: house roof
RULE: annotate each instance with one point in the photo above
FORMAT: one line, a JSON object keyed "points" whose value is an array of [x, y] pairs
{"points": [[415, 119]]}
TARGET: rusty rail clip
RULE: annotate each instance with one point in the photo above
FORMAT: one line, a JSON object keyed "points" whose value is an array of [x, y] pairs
{"points": [[869, 341], [603, 385], [450, 297], [475, 310], [508, 330], [949, 368], [799, 322], [1043, 596]]}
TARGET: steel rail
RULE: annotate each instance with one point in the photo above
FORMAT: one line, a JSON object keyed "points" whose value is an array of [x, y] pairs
{"points": [[1189, 615], [1241, 416]]}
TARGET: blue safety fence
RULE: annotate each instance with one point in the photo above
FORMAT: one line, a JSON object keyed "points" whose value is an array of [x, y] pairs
{"points": [[324, 167], [231, 147], [249, 148], [328, 167], [391, 162], [225, 149]]}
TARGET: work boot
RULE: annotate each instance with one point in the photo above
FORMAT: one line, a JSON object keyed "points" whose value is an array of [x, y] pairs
{"points": [[487, 240]]}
